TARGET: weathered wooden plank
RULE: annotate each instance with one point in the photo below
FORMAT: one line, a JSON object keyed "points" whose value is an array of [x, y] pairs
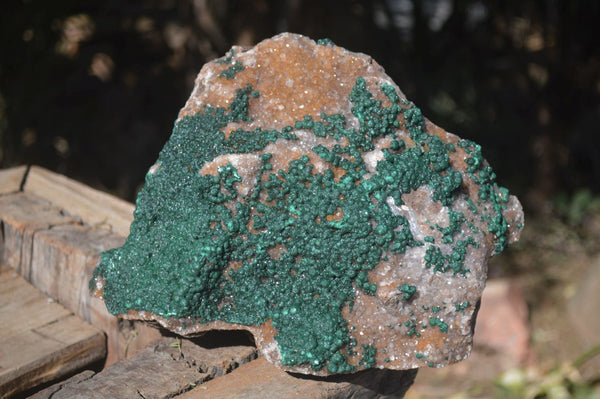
{"points": [[5, 275], [40, 340], [93, 206], [22, 307], [22, 216], [259, 379], [11, 179], [33, 312], [9, 281], [49, 351], [64, 258], [53, 250], [69, 382], [162, 371]]}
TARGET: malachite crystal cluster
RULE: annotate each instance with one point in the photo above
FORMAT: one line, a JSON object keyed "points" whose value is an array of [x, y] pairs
{"points": [[301, 197]]}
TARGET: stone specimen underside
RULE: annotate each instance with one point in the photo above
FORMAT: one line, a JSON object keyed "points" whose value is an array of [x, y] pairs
{"points": [[301, 197]]}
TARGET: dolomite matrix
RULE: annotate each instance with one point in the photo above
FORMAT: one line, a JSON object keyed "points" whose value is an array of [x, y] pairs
{"points": [[303, 198]]}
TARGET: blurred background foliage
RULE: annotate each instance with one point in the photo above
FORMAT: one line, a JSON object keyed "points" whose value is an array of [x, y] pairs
{"points": [[91, 88]]}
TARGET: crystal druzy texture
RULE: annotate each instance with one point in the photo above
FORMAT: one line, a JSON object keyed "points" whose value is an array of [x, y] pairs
{"points": [[301, 197]]}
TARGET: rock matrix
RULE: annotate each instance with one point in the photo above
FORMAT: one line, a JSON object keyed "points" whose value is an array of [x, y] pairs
{"points": [[303, 198]]}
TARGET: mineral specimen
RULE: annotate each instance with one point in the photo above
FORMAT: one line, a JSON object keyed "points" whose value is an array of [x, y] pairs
{"points": [[303, 198]]}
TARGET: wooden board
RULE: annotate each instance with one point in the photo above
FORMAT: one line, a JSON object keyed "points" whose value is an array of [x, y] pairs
{"points": [[12, 179], [162, 371], [94, 207], [40, 340], [259, 379], [57, 248], [23, 216]]}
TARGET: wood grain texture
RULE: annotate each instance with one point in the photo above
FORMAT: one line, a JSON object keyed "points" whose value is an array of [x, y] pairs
{"points": [[11, 179], [56, 249], [161, 371], [260, 379], [94, 207], [71, 382], [23, 216], [40, 340], [63, 260]]}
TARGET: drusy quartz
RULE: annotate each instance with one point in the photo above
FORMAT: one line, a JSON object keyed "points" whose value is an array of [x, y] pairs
{"points": [[303, 198]]}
